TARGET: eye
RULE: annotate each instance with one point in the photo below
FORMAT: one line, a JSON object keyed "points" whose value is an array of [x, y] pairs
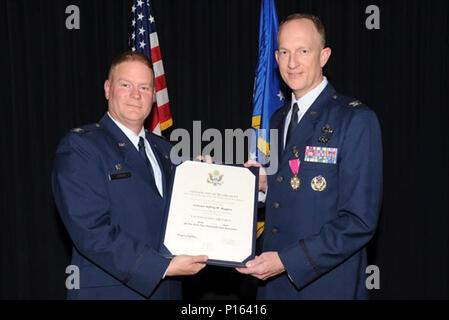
{"points": [[283, 52], [125, 85], [304, 51], [145, 88]]}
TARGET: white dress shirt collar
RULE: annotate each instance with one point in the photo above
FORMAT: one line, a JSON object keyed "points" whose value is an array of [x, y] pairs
{"points": [[134, 138], [309, 98], [131, 135], [304, 103]]}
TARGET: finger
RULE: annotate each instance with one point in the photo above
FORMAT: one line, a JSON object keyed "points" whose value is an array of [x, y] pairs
{"points": [[252, 163], [241, 270], [208, 159], [199, 259], [200, 267], [257, 261], [244, 270], [194, 271], [250, 263]]}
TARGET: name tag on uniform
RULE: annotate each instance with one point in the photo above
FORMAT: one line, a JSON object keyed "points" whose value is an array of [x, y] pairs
{"points": [[118, 176], [321, 155]]}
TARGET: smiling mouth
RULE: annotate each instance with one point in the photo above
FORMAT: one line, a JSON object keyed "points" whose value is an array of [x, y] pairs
{"points": [[295, 75], [133, 105]]}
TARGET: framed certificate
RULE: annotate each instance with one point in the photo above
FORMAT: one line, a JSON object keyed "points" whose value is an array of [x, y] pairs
{"points": [[213, 212]]}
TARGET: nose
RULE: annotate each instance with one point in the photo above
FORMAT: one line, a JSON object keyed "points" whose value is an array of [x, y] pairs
{"points": [[135, 93], [293, 61]]}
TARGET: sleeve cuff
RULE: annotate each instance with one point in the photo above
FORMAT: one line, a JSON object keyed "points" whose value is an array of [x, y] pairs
{"points": [[263, 195], [149, 271], [165, 273], [298, 265]]}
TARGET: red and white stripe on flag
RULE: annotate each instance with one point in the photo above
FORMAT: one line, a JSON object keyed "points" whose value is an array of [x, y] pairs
{"points": [[144, 39], [161, 118]]}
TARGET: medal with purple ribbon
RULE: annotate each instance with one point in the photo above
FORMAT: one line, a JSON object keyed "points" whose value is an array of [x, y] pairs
{"points": [[295, 182]]}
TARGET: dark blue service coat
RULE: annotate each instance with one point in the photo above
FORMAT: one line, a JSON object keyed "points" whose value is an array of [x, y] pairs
{"points": [[113, 213], [321, 233]]}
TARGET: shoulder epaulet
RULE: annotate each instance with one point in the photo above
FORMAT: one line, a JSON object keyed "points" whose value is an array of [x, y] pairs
{"points": [[346, 101], [87, 128], [354, 103], [341, 99], [155, 135]]}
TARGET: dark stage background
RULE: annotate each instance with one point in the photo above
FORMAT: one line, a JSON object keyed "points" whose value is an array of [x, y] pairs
{"points": [[53, 81]]}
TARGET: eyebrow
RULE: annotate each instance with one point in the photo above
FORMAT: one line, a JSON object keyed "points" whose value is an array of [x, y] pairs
{"points": [[140, 84], [296, 49]]}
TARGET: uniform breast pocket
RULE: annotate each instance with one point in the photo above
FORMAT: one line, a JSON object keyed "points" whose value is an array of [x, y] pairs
{"points": [[121, 184], [319, 177], [320, 187], [316, 166]]}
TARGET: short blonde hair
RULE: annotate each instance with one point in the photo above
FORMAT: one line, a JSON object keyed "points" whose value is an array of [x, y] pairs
{"points": [[127, 57]]}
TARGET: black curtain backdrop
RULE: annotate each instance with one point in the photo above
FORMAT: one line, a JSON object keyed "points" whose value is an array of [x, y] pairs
{"points": [[53, 81]]}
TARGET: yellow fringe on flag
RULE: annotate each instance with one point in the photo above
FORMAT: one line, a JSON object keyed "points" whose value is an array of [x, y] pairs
{"points": [[256, 122], [260, 228], [167, 124]]}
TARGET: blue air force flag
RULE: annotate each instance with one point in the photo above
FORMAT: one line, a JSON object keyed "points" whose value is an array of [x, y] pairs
{"points": [[268, 96]]}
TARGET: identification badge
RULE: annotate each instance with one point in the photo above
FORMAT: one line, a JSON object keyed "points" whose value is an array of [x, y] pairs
{"points": [[321, 155], [118, 176]]}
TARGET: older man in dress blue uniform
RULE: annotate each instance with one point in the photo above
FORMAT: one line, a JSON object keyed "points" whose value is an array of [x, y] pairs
{"points": [[111, 182], [323, 203]]}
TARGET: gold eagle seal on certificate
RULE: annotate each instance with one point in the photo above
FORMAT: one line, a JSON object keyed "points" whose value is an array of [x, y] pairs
{"points": [[215, 178]]}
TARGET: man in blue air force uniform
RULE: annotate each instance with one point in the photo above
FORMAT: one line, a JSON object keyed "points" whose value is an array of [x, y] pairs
{"points": [[323, 203], [111, 183]]}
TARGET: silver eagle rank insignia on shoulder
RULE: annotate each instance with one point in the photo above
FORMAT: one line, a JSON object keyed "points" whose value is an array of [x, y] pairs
{"points": [[355, 103]]}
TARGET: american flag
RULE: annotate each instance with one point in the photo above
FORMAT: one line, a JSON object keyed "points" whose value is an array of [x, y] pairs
{"points": [[144, 39]]}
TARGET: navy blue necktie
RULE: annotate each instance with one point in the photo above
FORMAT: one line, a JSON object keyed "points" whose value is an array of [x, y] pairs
{"points": [[293, 123], [143, 154]]}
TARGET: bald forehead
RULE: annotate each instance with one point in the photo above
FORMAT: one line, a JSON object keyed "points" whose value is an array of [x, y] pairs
{"points": [[300, 26]]}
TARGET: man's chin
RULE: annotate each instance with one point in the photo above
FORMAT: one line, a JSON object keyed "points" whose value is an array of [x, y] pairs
{"points": [[298, 89], [136, 115], [135, 119]]}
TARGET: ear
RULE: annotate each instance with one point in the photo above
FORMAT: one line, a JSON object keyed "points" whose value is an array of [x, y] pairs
{"points": [[107, 88], [276, 54], [324, 56]]}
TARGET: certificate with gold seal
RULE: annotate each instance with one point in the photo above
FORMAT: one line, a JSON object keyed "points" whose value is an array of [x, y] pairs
{"points": [[213, 212]]}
